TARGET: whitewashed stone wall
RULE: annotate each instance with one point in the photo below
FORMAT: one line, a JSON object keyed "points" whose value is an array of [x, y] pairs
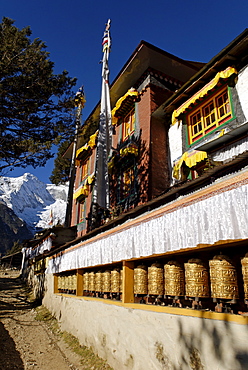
{"points": [[242, 89], [137, 339], [175, 140]]}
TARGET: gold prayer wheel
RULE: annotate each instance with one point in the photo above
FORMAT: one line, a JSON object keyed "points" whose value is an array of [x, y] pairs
{"points": [[115, 281], [244, 263], [98, 281], [62, 284], [74, 282], [106, 281], [86, 281], [196, 279], [59, 282], [223, 278], [66, 282], [69, 282], [140, 280], [173, 279], [155, 279], [92, 281]]}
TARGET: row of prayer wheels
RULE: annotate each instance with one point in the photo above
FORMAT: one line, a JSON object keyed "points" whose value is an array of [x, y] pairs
{"points": [[67, 282], [109, 281], [192, 279]]}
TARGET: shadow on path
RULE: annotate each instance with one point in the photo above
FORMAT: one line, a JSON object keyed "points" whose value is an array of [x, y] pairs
{"points": [[10, 358]]}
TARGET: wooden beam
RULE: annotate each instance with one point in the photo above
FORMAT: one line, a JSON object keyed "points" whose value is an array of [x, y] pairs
{"points": [[127, 283], [55, 283], [80, 283]]}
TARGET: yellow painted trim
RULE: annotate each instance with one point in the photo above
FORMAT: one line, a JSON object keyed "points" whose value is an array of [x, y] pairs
{"points": [[131, 92], [91, 143], [129, 150], [128, 282], [80, 284], [187, 312], [201, 93], [190, 159], [55, 284], [84, 190]]}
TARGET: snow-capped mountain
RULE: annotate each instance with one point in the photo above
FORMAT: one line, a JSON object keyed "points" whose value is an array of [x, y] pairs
{"points": [[39, 205]]}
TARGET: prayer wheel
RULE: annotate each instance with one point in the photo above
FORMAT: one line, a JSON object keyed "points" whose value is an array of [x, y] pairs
{"points": [[69, 280], [66, 282], [173, 279], [196, 279], [115, 280], [92, 281], [62, 282], [223, 278], [59, 282], [86, 281], [106, 281], [74, 282], [140, 280], [244, 263], [155, 279], [98, 281]]}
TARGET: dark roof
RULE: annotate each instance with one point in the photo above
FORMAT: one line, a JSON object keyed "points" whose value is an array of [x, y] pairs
{"points": [[144, 56], [234, 54]]}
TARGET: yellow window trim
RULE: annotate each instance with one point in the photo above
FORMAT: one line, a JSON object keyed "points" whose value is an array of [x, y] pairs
{"points": [[116, 111], [129, 129], [91, 143], [229, 71], [85, 188], [218, 120], [190, 159]]}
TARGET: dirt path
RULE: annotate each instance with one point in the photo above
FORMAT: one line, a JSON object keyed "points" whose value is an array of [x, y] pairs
{"points": [[26, 343]]}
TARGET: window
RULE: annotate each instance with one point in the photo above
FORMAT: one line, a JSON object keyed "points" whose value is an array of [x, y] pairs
{"points": [[127, 182], [84, 170], [209, 116], [129, 124], [81, 212]]}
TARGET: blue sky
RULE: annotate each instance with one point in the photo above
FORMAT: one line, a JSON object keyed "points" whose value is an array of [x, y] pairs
{"points": [[73, 29]]}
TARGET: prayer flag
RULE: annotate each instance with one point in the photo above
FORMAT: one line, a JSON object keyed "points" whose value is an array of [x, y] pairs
{"points": [[101, 187]]}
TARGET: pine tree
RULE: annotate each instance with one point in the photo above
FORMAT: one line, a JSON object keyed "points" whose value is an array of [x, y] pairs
{"points": [[36, 105], [61, 170]]}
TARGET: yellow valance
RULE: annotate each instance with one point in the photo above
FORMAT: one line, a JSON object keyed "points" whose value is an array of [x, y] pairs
{"points": [[201, 93], [129, 150], [190, 159], [85, 188], [91, 143], [122, 104]]}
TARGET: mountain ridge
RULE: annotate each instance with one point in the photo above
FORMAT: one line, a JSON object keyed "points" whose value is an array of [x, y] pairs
{"points": [[35, 204]]}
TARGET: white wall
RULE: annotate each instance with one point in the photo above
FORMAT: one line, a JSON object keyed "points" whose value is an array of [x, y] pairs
{"points": [[242, 89], [175, 141], [137, 339]]}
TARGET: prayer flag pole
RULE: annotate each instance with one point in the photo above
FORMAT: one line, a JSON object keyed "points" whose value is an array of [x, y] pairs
{"points": [[79, 103], [101, 187]]}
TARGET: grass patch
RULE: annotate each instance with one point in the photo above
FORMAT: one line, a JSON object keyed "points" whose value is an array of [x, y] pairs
{"points": [[42, 314], [90, 360]]}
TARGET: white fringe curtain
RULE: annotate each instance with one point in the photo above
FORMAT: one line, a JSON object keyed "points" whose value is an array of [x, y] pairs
{"points": [[231, 151], [222, 216], [46, 245]]}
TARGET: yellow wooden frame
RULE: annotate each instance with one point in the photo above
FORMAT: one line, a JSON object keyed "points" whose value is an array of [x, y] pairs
{"points": [[201, 116]]}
